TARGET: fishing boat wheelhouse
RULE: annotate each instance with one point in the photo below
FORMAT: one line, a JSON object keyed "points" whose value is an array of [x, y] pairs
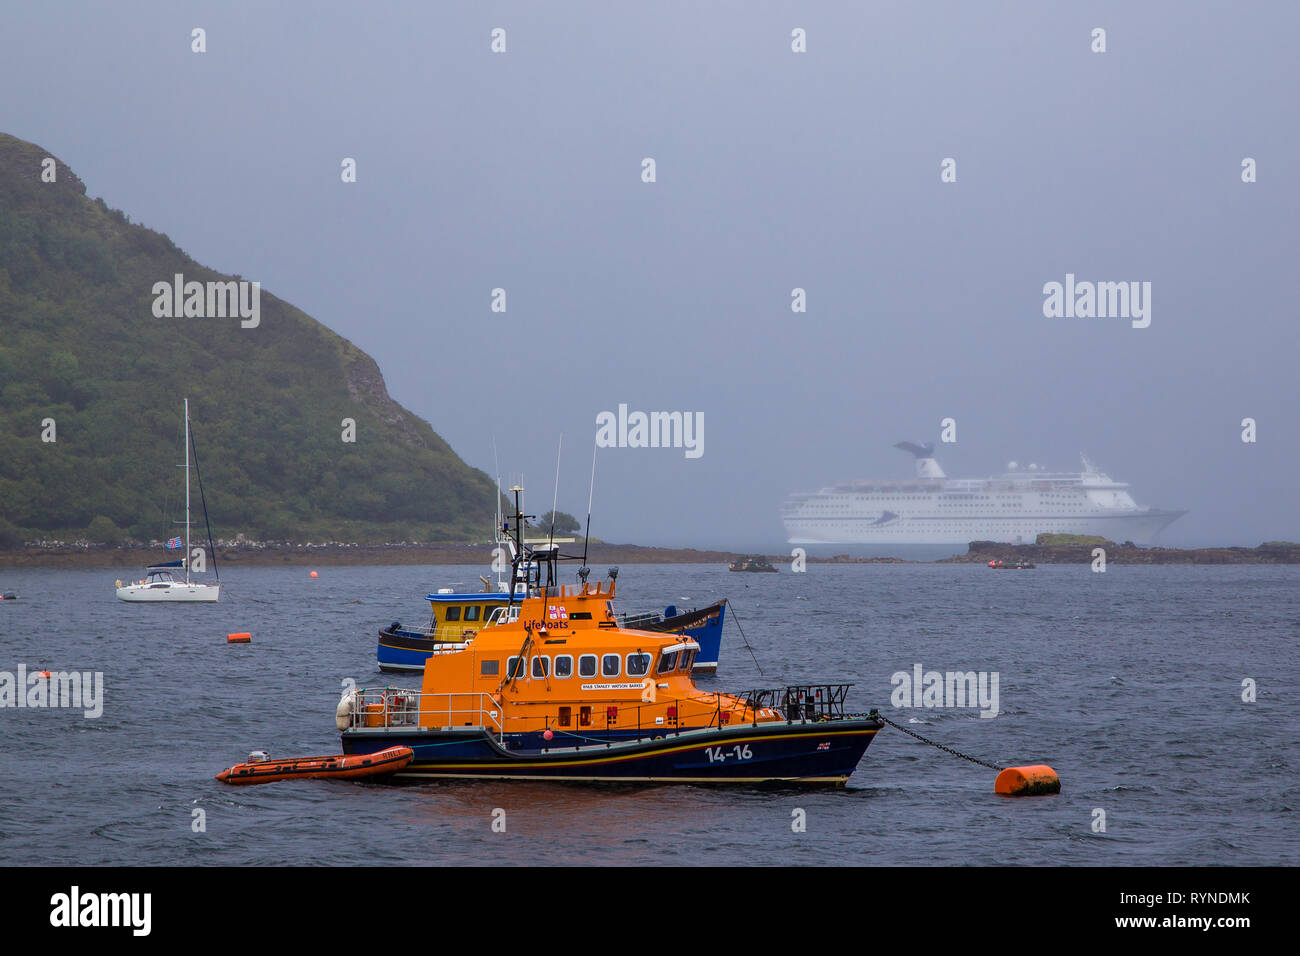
{"points": [[552, 686]]}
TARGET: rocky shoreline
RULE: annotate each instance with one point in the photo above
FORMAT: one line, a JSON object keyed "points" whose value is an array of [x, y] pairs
{"points": [[83, 555], [1271, 552], [249, 554]]}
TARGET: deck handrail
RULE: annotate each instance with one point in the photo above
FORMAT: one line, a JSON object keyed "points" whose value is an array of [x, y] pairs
{"points": [[402, 707], [396, 707]]}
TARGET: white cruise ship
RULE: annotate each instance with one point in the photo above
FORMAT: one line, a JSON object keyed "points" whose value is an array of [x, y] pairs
{"points": [[932, 508]]}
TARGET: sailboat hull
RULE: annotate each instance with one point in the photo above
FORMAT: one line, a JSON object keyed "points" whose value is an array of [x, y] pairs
{"points": [[178, 592]]}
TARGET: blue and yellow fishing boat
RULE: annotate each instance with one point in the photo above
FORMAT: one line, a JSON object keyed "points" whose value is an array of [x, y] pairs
{"points": [[553, 686], [458, 615]]}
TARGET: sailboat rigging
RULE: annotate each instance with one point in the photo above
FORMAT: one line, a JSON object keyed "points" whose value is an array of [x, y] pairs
{"points": [[158, 584]]}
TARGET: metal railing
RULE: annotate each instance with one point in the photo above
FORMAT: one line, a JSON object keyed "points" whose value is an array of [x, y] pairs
{"points": [[571, 721], [398, 707], [801, 701]]}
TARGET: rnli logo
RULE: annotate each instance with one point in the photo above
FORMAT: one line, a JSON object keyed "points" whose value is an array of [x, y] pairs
{"points": [[557, 612]]}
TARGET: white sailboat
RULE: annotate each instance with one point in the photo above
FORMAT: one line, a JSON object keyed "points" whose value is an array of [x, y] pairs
{"points": [[159, 585]]}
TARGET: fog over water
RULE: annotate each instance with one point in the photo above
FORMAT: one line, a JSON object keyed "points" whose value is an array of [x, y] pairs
{"points": [[775, 170]]}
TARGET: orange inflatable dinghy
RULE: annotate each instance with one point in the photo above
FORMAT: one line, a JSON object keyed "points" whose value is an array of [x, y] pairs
{"points": [[260, 769]]}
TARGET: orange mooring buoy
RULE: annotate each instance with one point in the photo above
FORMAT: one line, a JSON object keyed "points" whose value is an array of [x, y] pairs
{"points": [[1027, 781], [313, 574], [242, 638]]}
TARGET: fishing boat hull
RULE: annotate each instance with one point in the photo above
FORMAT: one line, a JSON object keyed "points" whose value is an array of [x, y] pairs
{"points": [[338, 766], [403, 651], [169, 593], [797, 752]]}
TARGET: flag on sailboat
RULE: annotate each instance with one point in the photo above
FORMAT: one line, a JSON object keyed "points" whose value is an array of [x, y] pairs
{"points": [[174, 543]]}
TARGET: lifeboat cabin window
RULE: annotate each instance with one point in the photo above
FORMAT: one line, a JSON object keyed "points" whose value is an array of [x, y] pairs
{"points": [[564, 666], [489, 668], [541, 666], [668, 662], [514, 668], [584, 716], [566, 713], [688, 658], [587, 665], [453, 614], [497, 614], [638, 665], [471, 612], [609, 665]]}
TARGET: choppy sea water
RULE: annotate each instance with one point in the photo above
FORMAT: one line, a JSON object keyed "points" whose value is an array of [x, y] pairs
{"points": [[1129, 683]]}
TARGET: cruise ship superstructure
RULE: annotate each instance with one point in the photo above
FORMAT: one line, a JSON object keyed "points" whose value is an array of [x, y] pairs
{"points": [[932, 508]]}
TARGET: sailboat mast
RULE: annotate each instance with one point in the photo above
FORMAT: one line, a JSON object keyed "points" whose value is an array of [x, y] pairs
{"points": [[187, 491]]}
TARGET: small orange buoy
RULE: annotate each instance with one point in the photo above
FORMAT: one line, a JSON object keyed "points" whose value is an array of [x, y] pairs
{"points": [[1027, 781], [313, 574], [45, 674], [242, 638]]}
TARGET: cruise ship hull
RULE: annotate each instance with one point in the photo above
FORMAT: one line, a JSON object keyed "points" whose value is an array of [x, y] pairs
{"points": [[1140, 527]]}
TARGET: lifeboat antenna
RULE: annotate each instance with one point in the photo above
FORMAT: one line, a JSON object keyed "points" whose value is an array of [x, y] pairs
{"points": [[591, 490], [555, 500]]}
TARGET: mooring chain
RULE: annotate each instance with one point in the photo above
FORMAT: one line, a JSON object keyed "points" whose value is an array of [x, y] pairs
{"points": [[744, 639], [925, 740]]}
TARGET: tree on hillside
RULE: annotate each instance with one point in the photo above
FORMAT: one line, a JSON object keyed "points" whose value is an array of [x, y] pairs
{"points": [[103, 530], [563, 522]]}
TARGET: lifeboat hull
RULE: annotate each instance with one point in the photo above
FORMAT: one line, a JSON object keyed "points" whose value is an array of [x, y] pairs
{"points": [[798, 752], [340, 766]]}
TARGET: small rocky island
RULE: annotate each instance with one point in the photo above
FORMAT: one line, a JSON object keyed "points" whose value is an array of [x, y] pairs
{"points": [[1077, 549]]}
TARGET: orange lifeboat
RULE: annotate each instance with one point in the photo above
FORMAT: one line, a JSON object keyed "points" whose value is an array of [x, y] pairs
{"points": [[259, 769]]}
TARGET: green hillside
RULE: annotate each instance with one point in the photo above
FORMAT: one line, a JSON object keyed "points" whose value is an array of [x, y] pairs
{"points": [[79, 343]]}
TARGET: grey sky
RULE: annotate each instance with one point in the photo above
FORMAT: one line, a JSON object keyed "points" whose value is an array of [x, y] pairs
{"points": [[775, 170]]}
